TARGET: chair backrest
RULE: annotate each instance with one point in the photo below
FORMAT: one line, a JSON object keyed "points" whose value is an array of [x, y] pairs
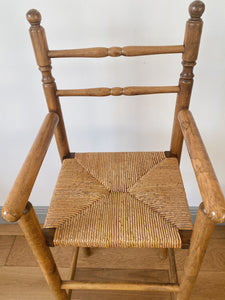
{"points": [[189, 52]]}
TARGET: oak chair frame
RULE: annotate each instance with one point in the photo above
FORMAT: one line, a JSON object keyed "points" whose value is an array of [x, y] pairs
{"points": [[211, 210]]}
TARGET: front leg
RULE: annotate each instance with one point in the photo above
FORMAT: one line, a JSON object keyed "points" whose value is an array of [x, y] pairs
{"points": [[202, 232]]}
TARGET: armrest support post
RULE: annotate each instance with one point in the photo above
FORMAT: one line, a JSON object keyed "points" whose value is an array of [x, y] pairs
{"points": [[211, 193], [32, 230], [201, 235], [20, 192]]}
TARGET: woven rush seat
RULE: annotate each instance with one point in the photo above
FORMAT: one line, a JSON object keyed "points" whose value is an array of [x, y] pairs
{"points": [[128, 199]]}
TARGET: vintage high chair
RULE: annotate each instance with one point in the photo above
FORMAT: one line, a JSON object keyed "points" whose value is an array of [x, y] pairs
{"points": [[132, 199]]}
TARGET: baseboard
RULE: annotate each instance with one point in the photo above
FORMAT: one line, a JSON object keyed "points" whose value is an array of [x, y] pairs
{"points": [[41, 212], [193, 211]]}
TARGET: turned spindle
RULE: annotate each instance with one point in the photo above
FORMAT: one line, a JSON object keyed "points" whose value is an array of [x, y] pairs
{"points": [[33, 233], [116, 51], [202, 232], [191, 47], [118, 91], [40, 46]]}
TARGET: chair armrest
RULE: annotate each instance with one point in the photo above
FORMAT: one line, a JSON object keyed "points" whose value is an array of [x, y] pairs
{"points": [[20, 192], [210, 190]]}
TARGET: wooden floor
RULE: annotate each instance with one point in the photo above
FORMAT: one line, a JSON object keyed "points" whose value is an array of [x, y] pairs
{"points": [[21, 278]]}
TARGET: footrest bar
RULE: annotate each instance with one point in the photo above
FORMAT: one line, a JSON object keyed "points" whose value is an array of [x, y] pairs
{"points": [[120, 286]]}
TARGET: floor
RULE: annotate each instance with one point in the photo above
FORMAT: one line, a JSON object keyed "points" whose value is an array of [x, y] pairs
{"points": [[21, 278]]}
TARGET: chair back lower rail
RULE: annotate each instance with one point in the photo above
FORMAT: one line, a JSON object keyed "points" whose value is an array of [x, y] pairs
{"points": [[118, 91], [116, 51]]}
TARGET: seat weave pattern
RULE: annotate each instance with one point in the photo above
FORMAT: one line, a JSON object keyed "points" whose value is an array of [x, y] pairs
{"points": [[128, 199]]}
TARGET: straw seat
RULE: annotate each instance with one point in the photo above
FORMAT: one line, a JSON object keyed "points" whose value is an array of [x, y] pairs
{"points": [[129, 199]]}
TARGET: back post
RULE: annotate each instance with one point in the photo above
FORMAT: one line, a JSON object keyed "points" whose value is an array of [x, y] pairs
{"points": [[40, 46], [191, 46]]}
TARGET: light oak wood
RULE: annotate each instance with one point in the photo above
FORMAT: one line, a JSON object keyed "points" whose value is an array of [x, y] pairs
{"points": [[112, 295], [173, 268], [39, 41], [25, 283], [10, 229], [21, 255], [28, 282], [122, 275], [213, 261], [20, 278], [87, 251], [149, 50], [79, 285], [191, 47], [172, 271], [148, 259], [200, 239], [20, 192], [35, 238], [116, 51], [117, 91], [207, 181], [73, 269], [163, 253], [219, 233], [6, 244], [209, 286]]}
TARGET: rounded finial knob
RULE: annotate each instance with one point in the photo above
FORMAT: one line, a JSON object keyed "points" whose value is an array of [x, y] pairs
{"points": [[196, 9], [33, 17]]}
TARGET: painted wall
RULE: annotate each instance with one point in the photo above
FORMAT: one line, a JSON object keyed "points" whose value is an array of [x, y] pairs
{"points": [[113, 123]]}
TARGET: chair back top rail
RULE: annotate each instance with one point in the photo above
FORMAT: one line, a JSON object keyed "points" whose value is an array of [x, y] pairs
{"points": [[116, 51], [118, 91]]}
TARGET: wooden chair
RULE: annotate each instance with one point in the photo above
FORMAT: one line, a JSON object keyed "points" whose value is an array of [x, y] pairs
{"points": [[132, 199]]}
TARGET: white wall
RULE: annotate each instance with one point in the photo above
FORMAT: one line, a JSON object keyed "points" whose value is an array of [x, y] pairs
{"points": [[109, 124]]}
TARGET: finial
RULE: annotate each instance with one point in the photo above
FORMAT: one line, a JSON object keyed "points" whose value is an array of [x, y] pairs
{"points": [[196, 9], [33, 17]]}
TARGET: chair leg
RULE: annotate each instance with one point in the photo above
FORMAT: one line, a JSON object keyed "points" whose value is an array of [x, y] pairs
{"points": [[202, 232], [163, 253], [172, 271], [73, 269], [35, 238], [87, 251]]}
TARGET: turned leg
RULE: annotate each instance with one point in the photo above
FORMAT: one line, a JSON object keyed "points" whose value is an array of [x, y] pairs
{"points": [[35, 238], [202, 232]]}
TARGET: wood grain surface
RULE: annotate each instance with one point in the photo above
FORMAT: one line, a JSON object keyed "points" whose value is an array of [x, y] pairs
{"points": [[20, 275]]}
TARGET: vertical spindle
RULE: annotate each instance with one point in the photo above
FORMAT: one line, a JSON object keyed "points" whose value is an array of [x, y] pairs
{"points": [[40, 46], [201, 235], [191, 47], [36, 240]]}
